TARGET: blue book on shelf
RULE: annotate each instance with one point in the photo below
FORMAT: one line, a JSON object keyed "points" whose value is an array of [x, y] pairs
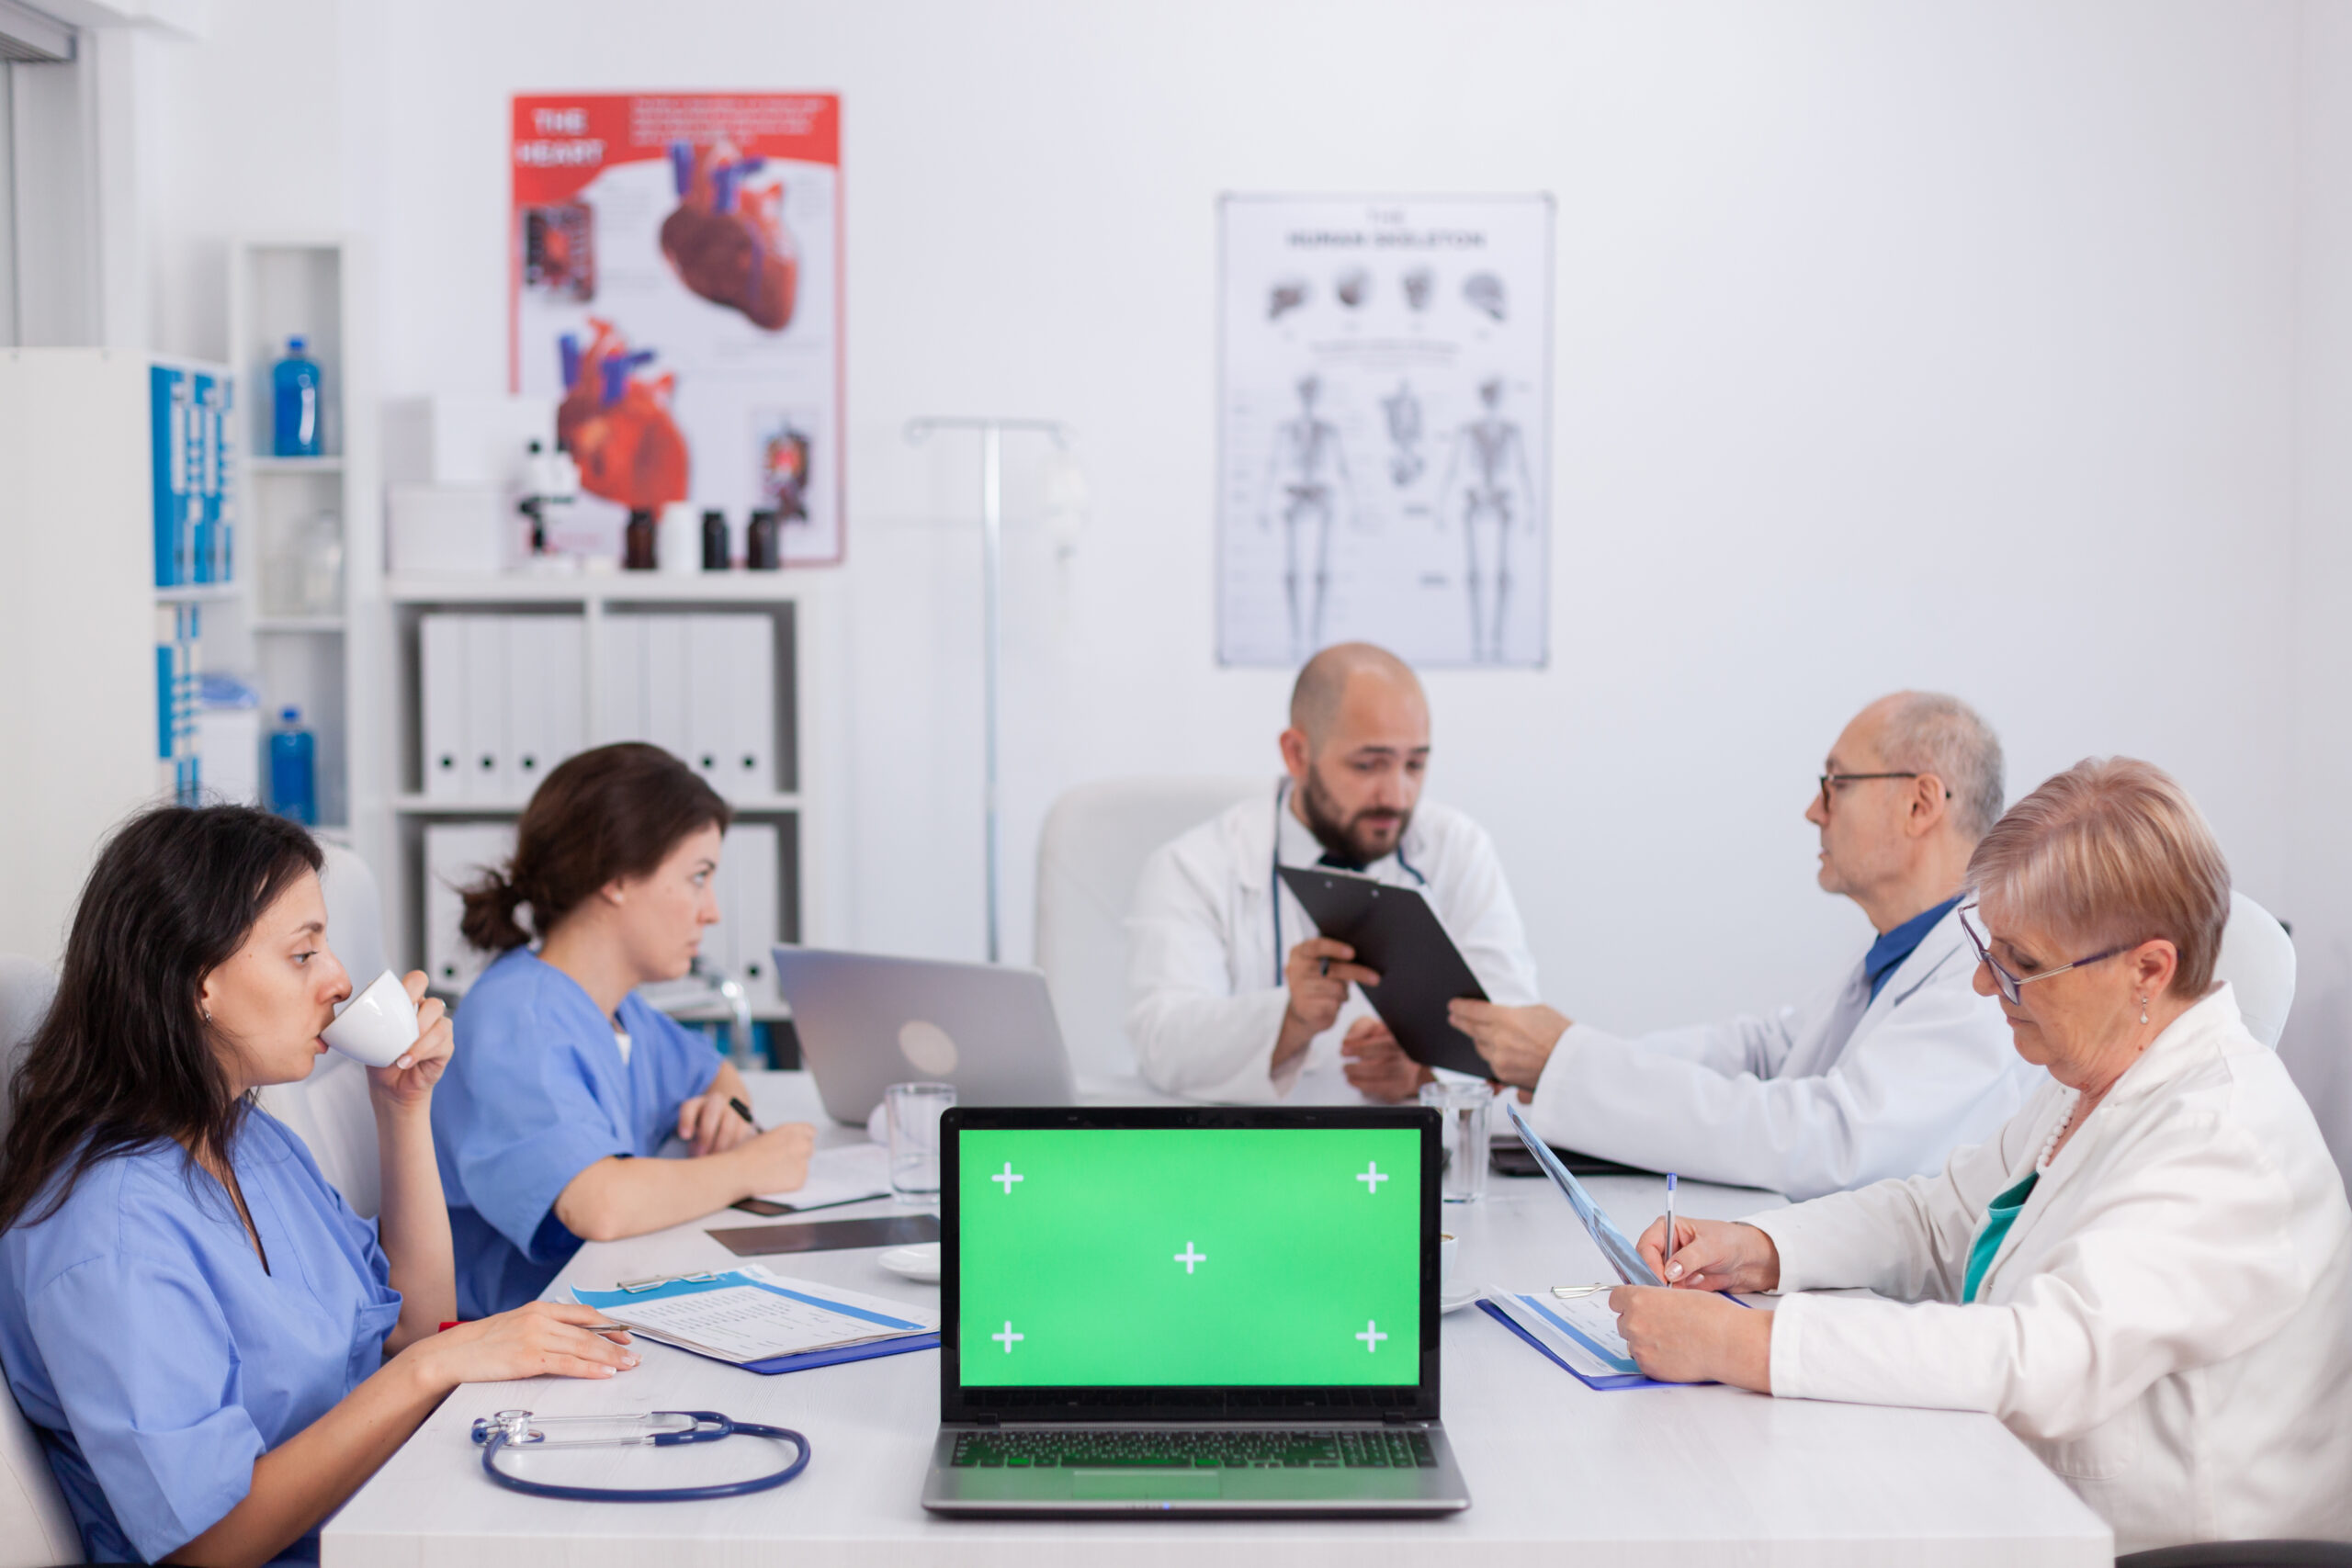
{"points": [[167, 418]]}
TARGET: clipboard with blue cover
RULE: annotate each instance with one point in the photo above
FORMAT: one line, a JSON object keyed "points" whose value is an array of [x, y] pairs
{"points": [[1396, 932], [898, 1335], [1621, 1253]]}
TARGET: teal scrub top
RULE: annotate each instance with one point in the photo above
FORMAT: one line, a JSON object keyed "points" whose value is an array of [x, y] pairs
{"points": [[1998, 1216], [536, 1093]]}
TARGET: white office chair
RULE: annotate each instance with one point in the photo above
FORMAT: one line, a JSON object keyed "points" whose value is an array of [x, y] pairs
{"points": [[25, 987], [36, 1528], [329, 1109], [2258, 958], [1093, 848]]}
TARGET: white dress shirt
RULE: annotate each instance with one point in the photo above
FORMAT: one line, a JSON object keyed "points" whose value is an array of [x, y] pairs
{"points": [[2168, 1322], [1844, 1090], [1205, 968]]}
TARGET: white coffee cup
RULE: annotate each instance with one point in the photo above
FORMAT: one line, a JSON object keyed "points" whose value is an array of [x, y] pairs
{"points": [[376, 1027], [1446, 1247]]}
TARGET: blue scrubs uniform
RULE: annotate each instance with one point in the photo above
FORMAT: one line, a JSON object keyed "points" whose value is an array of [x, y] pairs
{"points": [[156, 1355], [535, 1094]]}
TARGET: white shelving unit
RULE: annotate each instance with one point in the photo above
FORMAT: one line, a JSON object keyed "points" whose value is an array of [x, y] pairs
{"points": [[320, 658], [799, 604]]}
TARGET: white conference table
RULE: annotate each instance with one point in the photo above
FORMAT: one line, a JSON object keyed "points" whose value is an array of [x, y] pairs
{"points": [[1554, 1467]]}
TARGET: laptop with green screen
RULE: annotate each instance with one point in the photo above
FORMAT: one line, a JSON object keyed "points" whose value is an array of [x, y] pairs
{"points": [[1201, 1310]]}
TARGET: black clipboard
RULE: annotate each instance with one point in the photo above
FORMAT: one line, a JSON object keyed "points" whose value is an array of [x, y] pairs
{"points": [[1394, 931]]}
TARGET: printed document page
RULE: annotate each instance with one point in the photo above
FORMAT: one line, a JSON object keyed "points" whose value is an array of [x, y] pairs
{"points": [[1601, 1352], [839, 1176], [746, 1323]]}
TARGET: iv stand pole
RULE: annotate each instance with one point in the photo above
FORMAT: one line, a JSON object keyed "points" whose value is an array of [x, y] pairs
{"points": [[991, 592]]}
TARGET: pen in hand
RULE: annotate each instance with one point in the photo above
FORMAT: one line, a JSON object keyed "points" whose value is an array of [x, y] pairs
{"points": [[1666, 1267], [745, 1112]]}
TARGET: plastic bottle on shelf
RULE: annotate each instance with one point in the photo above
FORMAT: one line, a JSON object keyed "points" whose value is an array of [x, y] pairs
{"points": [[763, 548], [294, 770], [636, 542], [714, 541], [320, 558], [295, 402], [680, 548]]}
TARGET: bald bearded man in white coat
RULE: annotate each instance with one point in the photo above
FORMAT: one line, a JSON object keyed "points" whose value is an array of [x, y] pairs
{"points": [[1234, 997], [1883, 1074]]}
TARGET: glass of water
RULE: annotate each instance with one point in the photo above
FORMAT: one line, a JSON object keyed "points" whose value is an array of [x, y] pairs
{"points": [[1462, 1110], [914, 1112]]}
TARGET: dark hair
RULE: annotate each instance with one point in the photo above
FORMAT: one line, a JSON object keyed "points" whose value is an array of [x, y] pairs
{"points": [[616, 811], [124, 1059]]}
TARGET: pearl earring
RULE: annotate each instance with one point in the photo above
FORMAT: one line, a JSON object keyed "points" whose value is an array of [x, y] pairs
{"points": [[2143, 1010]]}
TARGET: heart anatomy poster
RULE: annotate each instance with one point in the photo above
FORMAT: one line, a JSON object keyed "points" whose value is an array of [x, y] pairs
{"points": [[1385, 454], [676, 285]]}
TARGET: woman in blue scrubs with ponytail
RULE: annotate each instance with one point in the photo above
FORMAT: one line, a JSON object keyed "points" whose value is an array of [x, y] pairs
{"points": [[215, 1351], [566, 1079]]}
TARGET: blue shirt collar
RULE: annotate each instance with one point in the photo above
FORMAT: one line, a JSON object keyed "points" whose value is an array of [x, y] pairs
{"points": [[1887, 953]]}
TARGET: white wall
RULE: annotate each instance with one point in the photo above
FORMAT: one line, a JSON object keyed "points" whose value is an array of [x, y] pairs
{"points": [[2319, 880], [1947, 345]]}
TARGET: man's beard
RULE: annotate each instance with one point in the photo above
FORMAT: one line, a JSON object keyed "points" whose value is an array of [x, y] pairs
{"points": [[1357, 841]]}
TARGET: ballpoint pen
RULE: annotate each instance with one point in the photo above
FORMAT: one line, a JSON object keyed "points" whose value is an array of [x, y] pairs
{"points": [[1668, 1251], [745, 1112]]}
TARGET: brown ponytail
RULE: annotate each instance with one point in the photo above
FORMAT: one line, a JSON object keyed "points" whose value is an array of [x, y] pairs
{"points": [[615, 811]]}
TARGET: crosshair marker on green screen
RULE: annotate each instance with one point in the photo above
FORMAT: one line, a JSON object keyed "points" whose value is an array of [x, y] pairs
{"points": [[1156, 1256]]}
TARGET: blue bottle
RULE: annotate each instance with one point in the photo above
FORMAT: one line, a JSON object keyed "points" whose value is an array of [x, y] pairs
{"points": [[294, 390], [293, 770]]}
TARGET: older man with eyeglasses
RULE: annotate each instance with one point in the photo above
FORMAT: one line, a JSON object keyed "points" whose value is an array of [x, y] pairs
{"points": [[1882, 1075]]}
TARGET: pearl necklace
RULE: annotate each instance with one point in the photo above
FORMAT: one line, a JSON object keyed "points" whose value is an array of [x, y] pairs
{"points": [[2050, 1144]]}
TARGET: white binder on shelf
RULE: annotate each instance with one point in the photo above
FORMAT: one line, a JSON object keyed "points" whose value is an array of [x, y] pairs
{"points": [[456, 854], [441, 686], [621, 708], [756, 870], [565, 645], [752, 761], [488, 763], [666, 683], [710, 699], [543, 695]]}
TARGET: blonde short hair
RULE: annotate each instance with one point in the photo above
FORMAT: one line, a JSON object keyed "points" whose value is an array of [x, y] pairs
{"points": [[2112, 853]]}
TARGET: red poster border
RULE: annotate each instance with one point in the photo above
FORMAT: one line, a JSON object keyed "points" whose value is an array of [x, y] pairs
{"points": [[820, 143]]}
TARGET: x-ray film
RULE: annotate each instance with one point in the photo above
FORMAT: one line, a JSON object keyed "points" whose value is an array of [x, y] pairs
{"points": [[1622, 1254]]}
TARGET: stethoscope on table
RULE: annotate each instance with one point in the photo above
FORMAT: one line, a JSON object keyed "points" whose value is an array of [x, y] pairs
{"points": [[1274, 876], [658, 1428]]}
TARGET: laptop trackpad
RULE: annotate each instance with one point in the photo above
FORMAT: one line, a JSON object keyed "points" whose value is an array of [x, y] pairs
{"points": [[1143, 1483]]}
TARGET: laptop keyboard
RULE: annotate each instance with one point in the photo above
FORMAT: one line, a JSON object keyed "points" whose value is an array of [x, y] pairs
{"points": [[1343, 1448]]}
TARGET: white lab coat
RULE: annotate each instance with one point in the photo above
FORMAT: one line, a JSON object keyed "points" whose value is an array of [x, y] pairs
{"points": [[2169, 1322], [1204, 975], [1843, 1090]]}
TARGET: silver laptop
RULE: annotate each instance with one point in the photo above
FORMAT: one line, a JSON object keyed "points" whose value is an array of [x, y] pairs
{"points": [[867, 1021], [1198, 1311]]}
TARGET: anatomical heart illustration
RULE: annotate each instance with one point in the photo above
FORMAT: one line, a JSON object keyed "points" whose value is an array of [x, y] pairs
{"points": [[616, 423], [727, 239], [674, 282]]}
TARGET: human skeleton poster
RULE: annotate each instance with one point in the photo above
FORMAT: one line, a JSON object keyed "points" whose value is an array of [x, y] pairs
{"points": [[1385, 402]]}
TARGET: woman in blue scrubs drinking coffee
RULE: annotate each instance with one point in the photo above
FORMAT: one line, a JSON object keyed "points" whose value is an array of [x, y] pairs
{"points": [[215, 1350]]}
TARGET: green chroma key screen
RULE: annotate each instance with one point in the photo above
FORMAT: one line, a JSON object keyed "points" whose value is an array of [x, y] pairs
{"points": [[1157, 1256]]}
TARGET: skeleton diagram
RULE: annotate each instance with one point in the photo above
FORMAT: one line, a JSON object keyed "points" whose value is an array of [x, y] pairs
{"points": [[1306, 480], [1491, 461], [1404, 412]]}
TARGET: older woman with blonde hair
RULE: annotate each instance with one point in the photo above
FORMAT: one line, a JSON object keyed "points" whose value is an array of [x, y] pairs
{"points": [[2146, 1275]]}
